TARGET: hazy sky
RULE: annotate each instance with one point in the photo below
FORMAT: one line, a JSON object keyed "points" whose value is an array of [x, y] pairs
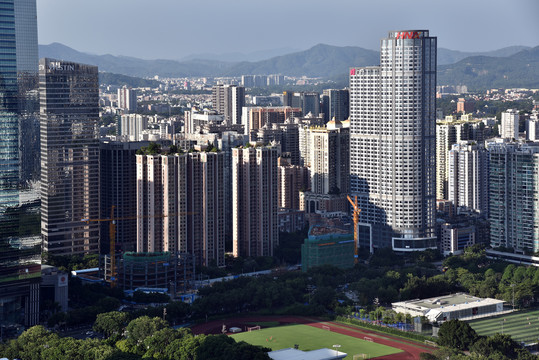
{"points": [[172, 29]]}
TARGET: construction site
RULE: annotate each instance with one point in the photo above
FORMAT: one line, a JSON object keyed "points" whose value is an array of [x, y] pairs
{"points": [[174, 271]]}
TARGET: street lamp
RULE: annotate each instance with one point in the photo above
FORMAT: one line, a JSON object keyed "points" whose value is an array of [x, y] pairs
{"points": [[513, 286]]}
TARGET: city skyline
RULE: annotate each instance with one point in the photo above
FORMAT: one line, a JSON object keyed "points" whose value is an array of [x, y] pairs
{"points": [[173, 31]]}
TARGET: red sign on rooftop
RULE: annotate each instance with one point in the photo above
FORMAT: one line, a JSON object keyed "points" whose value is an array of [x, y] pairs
{"points": [[409, 35]]}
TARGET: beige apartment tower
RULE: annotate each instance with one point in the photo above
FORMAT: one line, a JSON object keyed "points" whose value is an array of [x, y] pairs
{"points": [[254, 200], [180, 205]]}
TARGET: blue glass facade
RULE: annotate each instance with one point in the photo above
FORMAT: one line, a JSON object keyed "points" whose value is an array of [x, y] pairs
{"points": [[20, 242], [9, 122]]}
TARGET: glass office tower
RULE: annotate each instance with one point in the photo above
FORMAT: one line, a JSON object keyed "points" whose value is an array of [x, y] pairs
{"points": [[27, 79], [69, 115], [20, 241]]}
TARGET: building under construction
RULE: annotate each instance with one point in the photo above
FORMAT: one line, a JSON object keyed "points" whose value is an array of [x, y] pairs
{"points": [[327, 245], [152, 270]]}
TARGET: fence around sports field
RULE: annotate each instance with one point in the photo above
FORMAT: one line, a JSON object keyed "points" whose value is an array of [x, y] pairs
{"points": [[380, 327]]}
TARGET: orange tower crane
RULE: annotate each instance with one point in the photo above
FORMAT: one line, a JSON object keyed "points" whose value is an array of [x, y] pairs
{"points": [[112, 234], [356, 212]]}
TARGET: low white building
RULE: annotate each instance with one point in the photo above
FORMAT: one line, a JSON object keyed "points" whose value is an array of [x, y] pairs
{"points": [[295, 354], [458, 306]]}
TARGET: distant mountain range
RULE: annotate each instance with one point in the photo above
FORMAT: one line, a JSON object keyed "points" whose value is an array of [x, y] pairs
{"points": [[446, 56], [238, 56], [512, 66], [135, 67], [484, 72]]}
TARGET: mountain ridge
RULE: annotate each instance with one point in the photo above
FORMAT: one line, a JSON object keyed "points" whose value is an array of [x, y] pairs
{"points": [[519, 67]]}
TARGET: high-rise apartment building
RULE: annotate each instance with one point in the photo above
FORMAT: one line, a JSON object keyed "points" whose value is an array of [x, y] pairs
{"points": [[118, 188], [247, 81], [336, 104], [446, 136], [393, 144], [254, 201], [256, 117], [304, 131], [127, 99], [468, 186], [465, 106], [287, 135], [275, 80], [532, 127], [514, 195], [509, 124], [229, 101], [292, 180], [327, 155], [20, 254], [448, 132], [132, 125], [330, 159], [180, 205], [69, 99], [308, 102]]}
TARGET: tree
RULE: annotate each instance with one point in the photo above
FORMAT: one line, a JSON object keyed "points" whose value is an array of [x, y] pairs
{"points": [[226, 348], [325, 296], [456, 334], [31, 344], [157, 343], [496, 344], [111, 324], [184, 348], [141, 328]]}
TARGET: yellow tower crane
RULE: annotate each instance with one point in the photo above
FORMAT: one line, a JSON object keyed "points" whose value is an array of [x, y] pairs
{"points": [[356, 211], [112, 234]]}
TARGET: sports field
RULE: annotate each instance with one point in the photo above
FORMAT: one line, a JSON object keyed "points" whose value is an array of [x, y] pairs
{"points": [[521, 325], [311, 338]]}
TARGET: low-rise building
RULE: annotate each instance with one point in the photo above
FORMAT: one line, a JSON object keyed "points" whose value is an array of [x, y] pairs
{"points": [[54, 286], [457, 306]]}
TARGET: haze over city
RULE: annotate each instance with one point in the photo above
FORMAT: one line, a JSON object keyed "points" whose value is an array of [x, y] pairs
{"points": [[171, 29]]}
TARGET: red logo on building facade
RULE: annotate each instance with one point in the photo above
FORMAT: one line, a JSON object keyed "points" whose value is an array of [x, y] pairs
{"points": [[409, 35], [352, 71]]}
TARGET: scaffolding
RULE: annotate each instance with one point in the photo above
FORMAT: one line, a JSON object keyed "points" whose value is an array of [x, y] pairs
{"points": [[328, 246], [152, 270]]}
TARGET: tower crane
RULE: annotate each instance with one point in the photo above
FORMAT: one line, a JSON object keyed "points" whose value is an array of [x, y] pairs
{"points": [[356, 211], [112, 234]]}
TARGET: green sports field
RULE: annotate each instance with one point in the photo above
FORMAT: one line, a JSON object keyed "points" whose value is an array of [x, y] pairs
{"points": [[311, 338], [521, 325]]}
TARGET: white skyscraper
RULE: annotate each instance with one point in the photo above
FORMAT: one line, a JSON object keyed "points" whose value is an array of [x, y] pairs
{"points": [[393, 145], [509, 128], [127, 99], [131, 126], [468, 177], [446, 136]]}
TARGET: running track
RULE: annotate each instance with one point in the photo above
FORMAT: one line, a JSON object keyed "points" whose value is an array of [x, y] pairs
{"points": [[411, 350]]}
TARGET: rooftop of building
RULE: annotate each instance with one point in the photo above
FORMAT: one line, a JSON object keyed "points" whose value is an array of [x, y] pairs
{"points": [[328, 233], [295, 354], [458, 301], [156, 149]]}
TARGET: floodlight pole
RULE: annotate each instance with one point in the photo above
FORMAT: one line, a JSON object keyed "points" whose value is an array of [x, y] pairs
{"points": [[513, 287]]}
